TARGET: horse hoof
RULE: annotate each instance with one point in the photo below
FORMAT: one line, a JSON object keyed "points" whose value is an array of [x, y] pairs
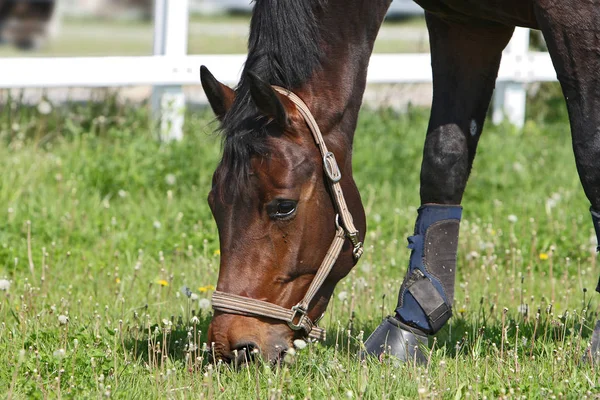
{"points": [[393, 338]]}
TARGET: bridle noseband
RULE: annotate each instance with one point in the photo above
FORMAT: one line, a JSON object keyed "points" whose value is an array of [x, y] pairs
{"points": [[297, 316]]}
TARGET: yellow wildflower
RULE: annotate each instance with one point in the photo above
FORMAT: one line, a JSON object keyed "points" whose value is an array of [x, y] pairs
{"points": [[217, 252], [162, 282], [543, 256], [117, 280], [204, 289]]}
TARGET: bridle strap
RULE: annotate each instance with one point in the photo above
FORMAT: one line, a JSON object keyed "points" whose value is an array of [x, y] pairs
{"points": [[297, 316], [331, 168]]}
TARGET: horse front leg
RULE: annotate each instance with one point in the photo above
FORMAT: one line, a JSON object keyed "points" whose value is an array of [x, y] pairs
{"points": [[465, 62], [573, 37]]}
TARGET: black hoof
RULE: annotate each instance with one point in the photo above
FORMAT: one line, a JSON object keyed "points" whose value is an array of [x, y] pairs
{"points": [[396, 339]]}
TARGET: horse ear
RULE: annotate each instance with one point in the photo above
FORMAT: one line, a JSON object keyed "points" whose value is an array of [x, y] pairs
{"points": [[267, 100], [219, 96]]}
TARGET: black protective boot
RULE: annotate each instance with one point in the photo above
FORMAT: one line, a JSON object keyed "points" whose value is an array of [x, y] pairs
{"points": [[427, 293]]}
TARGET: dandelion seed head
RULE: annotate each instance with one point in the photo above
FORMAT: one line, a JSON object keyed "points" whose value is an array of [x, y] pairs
{"points": [[44, 107], [518, 167], [299, 344], [170, 179], [63, 319], [4, 284], [204, 304], [59, 354]]}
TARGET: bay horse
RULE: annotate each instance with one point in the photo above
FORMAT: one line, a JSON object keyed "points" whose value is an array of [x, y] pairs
{"points": [[289, 214]]}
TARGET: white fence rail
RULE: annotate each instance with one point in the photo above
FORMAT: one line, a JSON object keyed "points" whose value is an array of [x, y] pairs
{"points": [[170, 68]]}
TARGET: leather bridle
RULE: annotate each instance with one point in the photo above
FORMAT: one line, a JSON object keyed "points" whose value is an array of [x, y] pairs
{"points": [[297, 316]]}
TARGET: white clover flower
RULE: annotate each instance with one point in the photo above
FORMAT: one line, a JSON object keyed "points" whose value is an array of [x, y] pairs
{"points": [[63, 319], [512, 218], [170, 179], [4, 284], [299, 344], [44, 107], [156, 224], [204, 304], [342, 296]]}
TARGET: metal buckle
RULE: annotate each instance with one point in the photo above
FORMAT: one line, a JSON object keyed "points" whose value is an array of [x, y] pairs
{"points": [[297, 310], [331, 167], [357, 251]]}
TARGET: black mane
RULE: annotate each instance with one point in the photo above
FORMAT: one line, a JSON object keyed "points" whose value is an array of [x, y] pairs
{"points": [[283, 50]]}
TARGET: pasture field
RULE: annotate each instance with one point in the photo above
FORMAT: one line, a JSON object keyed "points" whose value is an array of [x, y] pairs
{"points": [[102, 226]]}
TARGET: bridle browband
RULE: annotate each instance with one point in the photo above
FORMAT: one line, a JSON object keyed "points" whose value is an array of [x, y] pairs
{"points": [[297, 316]]}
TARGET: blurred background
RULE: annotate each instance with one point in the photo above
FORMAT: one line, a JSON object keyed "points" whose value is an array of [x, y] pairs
{"points": [[80, 28], [98, 28], [113, 27]]}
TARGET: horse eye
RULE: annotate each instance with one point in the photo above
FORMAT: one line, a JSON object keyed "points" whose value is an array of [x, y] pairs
{"points": [[283, 209]]}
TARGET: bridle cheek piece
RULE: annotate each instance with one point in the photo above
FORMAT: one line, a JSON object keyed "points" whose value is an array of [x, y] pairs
{"points": [[297, 316]]}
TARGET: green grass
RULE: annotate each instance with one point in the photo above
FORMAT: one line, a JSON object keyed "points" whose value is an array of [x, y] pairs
{"points": [[103, 224]]}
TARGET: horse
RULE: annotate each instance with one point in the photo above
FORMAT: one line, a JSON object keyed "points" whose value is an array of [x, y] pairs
{"points": [[289, 215], [26, 24]]}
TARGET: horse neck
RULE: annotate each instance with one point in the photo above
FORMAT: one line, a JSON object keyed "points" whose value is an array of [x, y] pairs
{"points": [[335, 91]]}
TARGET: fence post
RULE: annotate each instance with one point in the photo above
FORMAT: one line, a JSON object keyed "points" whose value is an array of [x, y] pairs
{"points": [[510, 98], [170, 39]]}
